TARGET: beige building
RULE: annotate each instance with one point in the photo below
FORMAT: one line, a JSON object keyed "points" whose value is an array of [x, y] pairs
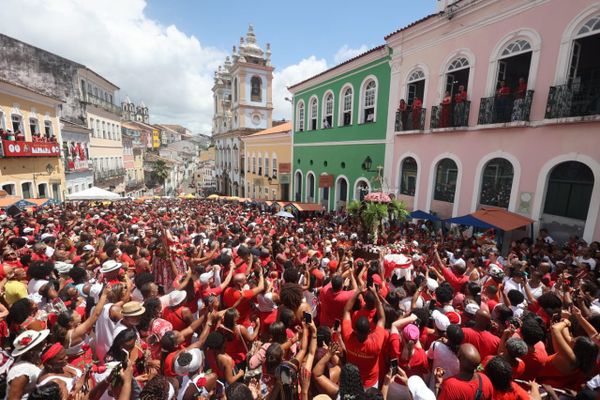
{"points": [[30, 166], [104, 119]]}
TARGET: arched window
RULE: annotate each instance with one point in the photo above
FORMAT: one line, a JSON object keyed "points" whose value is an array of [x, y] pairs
{"points": [[328, 111], [260, 165], [274, 166], [408, 176], [300, 117], [253, 164], [310, 188], [446, 175], [496, 183], [314, 109], [235, 89], [341, 193], [267, 171], [415, 88], [346, 106], [298, 186], [369, 101], [256, 88], [17, 123], [569, 190], [361, 189], [457, 75]]}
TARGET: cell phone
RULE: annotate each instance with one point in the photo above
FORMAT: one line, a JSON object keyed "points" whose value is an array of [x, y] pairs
{"points": [[336, 324], [394, 366], [219, 389], [307, 317]]}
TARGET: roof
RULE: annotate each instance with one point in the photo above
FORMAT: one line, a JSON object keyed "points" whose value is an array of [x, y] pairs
{"points": [[386, 37], [8, 201], [501, 218], [307, 206], [38, 202], [418, 214], [285, 127], [57, 99], [470, 220], [339, 65]]}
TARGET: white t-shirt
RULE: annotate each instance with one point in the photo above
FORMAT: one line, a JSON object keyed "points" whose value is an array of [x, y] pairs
{"points": [[105, 331], [24, 368], [407, 301], [443, 357], [589, 261]]}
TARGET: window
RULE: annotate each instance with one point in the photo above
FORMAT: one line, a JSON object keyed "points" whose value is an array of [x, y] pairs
{"points": [[235, 89], [42, 192], [253, 164], [369, 102], [48, 129], [2, 122], [98, 129], [415, 89], [26, 190], [34, 126], [260, 166], [104, 130], [298, 186], [328, 111], [256, 88], [9, 188], [347, 107], [408, 176], [313, 113], [496, 184], [266, 166], [362, 189], [17, 123], [569, 190], [300, 117], [274, 167], [445, 180], [310, 186], [457, 76]]}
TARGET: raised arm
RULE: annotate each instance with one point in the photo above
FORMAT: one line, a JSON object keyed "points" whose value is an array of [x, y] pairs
{"points": [[350, 305], [380, 311], [560, 344], [88, 324]]}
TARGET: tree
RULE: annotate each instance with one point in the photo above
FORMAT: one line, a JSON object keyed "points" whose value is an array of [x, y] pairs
{"points": [[372, 214], [161, 172]]}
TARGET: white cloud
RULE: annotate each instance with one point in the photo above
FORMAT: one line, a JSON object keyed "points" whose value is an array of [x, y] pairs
{"points": [[346, 52], [289, 76], [167, 69]]}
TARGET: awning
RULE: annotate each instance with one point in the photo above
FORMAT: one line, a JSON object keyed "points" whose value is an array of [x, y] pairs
{"points": [[306, 207], [502, 219], [6, 202], [418, 214], [470, 220], [94, 193], [40, 202]]}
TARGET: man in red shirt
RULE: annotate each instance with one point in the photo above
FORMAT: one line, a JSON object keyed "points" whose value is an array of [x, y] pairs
{"points": [[236, 291], [484, 341], [333, 299], [363, 345], [467, 383], [533, 334], [455, 275]]}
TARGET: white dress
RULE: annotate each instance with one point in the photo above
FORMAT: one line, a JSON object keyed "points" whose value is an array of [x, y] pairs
{"points": [[23, 368], [443, 357]]}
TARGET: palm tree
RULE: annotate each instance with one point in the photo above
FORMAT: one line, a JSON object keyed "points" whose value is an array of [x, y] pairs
{"points": [[397, 210], [161, 172], [372, 216]]}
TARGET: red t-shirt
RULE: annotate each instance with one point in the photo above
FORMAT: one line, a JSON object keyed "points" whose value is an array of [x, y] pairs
{"points": [[332, 304], [457, 282], [457, 389], [485, 342], [364, 355], [231, 295], [534, 361], [517, 393]]}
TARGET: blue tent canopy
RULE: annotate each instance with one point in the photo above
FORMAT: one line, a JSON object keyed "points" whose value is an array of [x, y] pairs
{"points": [[418, 214], [469, 220]]}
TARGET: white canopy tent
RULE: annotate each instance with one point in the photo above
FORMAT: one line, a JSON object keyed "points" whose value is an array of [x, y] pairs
{"points": [[94, 193]]}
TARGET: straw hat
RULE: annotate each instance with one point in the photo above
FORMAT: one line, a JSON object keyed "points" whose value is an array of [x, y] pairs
{"points": [[132, 309]]}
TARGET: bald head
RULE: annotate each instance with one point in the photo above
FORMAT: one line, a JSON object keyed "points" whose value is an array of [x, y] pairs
{"points": [[482, 319], [469, 357], [239, 279]]}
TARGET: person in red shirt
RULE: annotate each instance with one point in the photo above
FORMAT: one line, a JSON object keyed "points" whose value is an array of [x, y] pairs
{"points": [[533, 333], [363, 345], [333, 299], [499, 371], [484, 341], [455, 275], [467, 383], [232, 294]]}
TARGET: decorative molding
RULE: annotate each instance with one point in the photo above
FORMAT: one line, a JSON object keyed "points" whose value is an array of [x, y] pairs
{"points": [[344, 143]]}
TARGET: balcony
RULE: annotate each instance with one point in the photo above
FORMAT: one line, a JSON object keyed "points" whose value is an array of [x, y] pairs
{"points": [[101, 103], [13, 148], [573, 100], [453, 115], [105, 175], [410, 120], [505, 109], [134, 185]]}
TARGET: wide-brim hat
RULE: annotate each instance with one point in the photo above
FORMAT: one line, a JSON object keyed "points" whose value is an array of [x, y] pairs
{"points": [[177, 297], [28, 340], [110, 266], [62, 267], [195, 364], [132, 309]]}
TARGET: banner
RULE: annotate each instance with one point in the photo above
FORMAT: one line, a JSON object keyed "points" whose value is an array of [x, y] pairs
{"points": [[325, 181], [30, 149]]}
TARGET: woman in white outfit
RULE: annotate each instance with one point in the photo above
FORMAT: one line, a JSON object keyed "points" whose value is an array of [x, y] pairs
{"points": [[22, 377]]}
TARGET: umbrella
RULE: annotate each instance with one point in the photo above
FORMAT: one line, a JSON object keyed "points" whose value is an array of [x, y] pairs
{"points": [[213, 197], [378, 197], [94, 193], [284, 214]]}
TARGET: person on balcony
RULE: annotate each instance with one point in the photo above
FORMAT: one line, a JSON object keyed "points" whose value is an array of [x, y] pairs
{"points": [[403, 111], [460, 107], [10, 135], [518, 112], [502, 102], [3, 134], [20, 136], [417, 106], [446, 110]]}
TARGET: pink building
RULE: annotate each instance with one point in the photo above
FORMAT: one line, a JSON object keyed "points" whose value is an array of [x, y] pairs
{"points": [[502, 108]]}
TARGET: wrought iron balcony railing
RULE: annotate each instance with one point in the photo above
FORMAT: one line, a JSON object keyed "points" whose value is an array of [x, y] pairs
{"points": [[452, 115], [573, 100], [498, 110], [410, 120], [102, 103]]}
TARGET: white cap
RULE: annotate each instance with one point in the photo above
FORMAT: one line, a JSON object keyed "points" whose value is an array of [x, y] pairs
{"points": [[195, 364], [177, 297], [46, 235], [3, 217], [432, 284], [471, 308], [460, 262], [416, 257], [96, 216], [205, 277], [418, 389], [353, 236], [334, 240], [440, 320], [135, 226], [88, 247], [62, 267], [300, 231], [327, 249], [415, 243], [325, 262], [28, 230]]}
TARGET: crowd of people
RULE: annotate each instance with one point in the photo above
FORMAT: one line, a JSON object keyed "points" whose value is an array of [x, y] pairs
{"points": [[19, 136], [199, 299]]}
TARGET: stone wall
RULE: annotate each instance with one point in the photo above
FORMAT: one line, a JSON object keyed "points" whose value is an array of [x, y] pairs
{"points": [[43, 72]]}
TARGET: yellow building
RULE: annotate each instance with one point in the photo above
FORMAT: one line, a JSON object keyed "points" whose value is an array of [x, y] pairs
{"points": [[268, 157], [30, 164]]}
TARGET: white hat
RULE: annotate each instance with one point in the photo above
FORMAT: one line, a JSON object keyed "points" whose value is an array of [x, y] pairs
{"points": [[196, 363], [300, 231], [46, 235], [325, 262], [440, 320], [3, 217], [334, 240], [415, 243], [205, 277], [327, 249], [88, 247], [418, 389], [62, 267], [135, 226], [28, 340], [353, 236], [460, 262], [432, 284], [28, 230], [471, 308], [177, 297], [416, 257], [109, 266], [96, 216]]}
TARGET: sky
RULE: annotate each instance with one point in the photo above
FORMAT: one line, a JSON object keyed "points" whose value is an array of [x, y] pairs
{"points": [[164, 52]]}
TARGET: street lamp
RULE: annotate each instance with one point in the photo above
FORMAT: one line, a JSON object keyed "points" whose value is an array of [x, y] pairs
{"points": [[366, 166], [49, 171]]}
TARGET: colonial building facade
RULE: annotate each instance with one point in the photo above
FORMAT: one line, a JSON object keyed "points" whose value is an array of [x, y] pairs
{"points": [[340, 119], [242, 95], [512, 113]]}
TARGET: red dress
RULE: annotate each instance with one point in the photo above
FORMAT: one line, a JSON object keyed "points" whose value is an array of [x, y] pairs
{"points": [[446, 108]]}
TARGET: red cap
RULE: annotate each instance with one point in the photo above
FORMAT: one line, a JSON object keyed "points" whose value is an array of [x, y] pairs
{"points": [[333, 264], [454, 317]]}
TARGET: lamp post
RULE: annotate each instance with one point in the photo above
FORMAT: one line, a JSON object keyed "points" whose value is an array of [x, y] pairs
{"points": [[49, 171], [366, 166]]}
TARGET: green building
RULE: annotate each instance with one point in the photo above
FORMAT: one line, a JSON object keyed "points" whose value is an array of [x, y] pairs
{"points": [[340, 123]]}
